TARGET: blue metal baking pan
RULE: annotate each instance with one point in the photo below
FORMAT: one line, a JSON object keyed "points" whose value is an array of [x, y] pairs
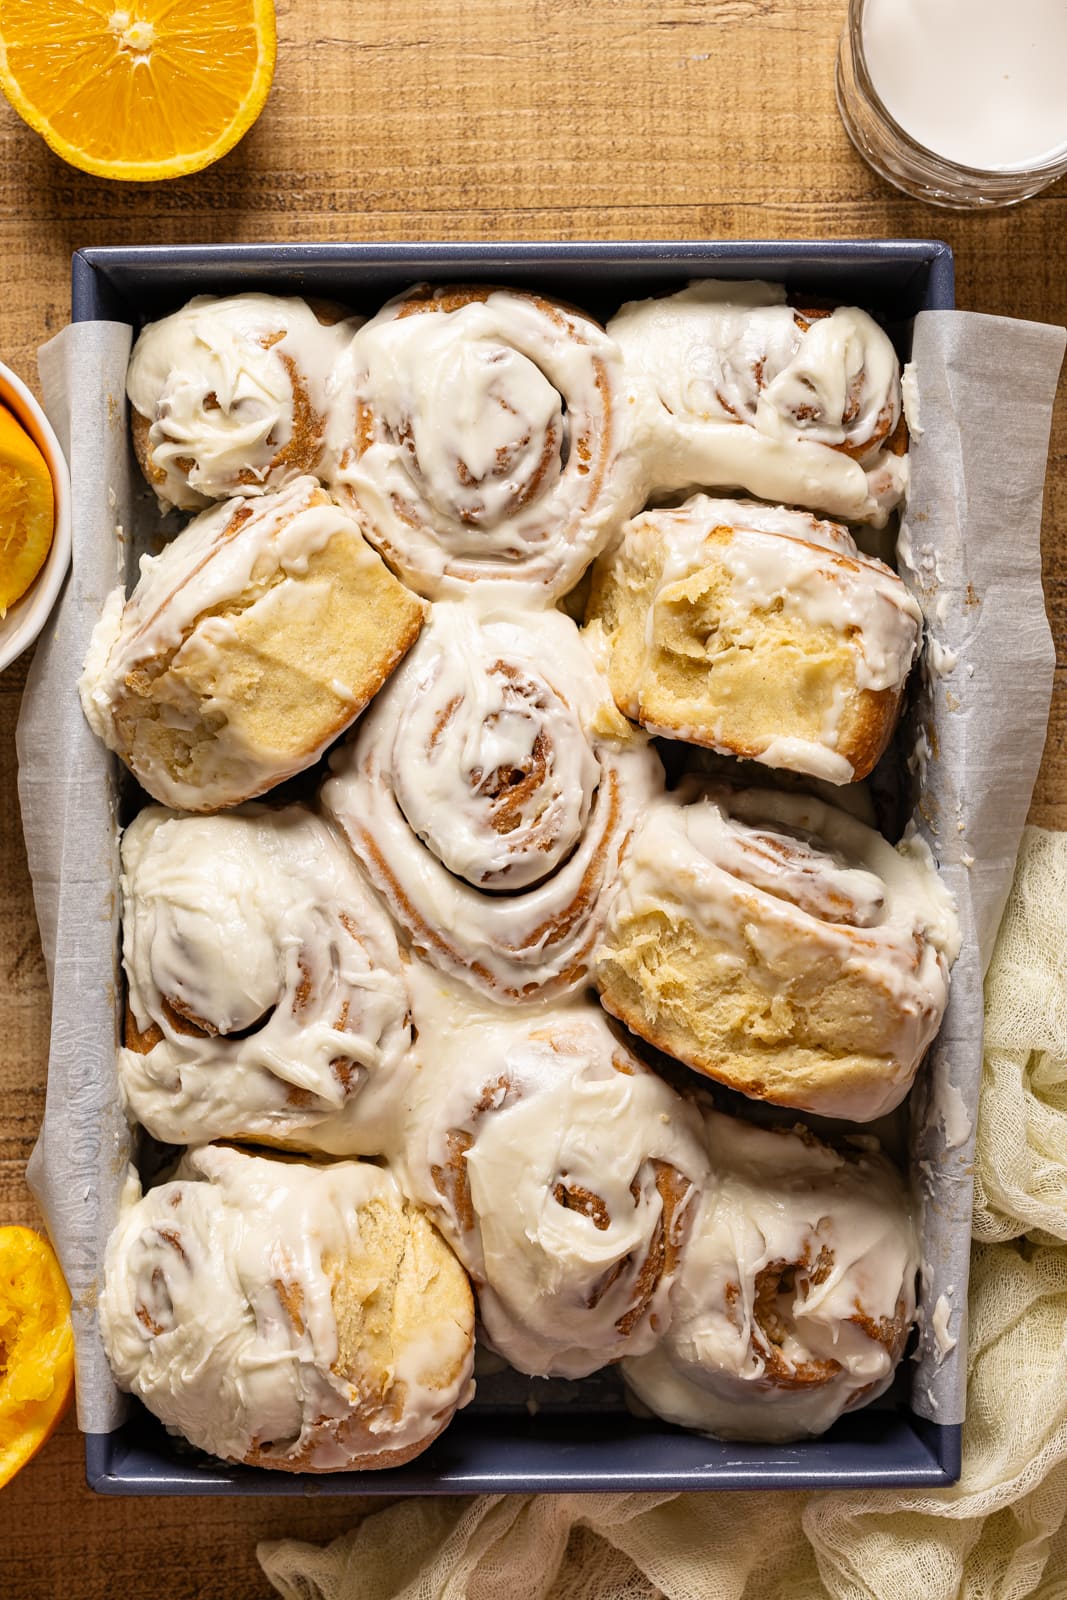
{"points": [[520, 1434]]}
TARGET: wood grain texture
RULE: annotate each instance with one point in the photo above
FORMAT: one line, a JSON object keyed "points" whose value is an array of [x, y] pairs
{"points": [[453, 119]]}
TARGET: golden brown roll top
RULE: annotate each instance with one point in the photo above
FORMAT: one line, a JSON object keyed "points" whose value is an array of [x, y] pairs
{"points": [[256, 636], [231, 394], [781, 947], [266, 995], [757, 631], [478, 435], [292, 1316], [731, 388], [796, 1290], [489, 794], [562, 1171]]}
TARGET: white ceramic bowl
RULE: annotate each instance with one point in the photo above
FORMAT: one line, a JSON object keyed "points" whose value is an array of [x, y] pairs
{"points": [[27, 616]]}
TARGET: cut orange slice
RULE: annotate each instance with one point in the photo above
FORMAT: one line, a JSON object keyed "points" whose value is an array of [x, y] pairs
{"points": [[141, 90], [36, 1346], [27, 510]]}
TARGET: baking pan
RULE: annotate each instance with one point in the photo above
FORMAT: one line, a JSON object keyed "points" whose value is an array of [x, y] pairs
{"points": [[525, 1434]]}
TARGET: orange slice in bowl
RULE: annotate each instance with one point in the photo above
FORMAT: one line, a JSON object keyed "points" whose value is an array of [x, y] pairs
{"points": [[27, 511], [36, 1346], [138, 89]]}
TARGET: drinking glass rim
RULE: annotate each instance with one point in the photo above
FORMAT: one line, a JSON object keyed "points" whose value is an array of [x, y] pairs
{"points": [[854, 29]]}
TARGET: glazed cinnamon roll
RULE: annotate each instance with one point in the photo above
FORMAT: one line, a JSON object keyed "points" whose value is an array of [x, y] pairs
{"points": [[796, 1290], [478, 434], [489, 794], [266, 998], [299, 1317], [780, 946], [731, 388], [759, 632], [230, 395], [247, 646], [562, 1171]]}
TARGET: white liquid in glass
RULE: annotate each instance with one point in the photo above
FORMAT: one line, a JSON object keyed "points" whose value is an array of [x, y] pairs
{"points": [[982, 83]]}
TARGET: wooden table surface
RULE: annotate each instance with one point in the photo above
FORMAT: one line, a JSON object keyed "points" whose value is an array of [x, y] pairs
{"points": [[452, 119]]}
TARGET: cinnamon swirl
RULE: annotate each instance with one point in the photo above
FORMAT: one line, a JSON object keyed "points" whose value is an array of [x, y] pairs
{"points": [[250, 643], [731, 388], [266, 997], [231, 395], [759, 632], [489, 794], [562, 1171], [478, 434], [796, 1290], [299, 1317], [783, 948]]}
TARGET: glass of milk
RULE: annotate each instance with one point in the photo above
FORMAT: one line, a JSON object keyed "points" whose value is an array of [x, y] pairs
{"points": [[959, 102]]}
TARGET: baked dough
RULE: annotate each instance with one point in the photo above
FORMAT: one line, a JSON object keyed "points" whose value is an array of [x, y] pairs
{"points": [[781, 947], [252, 641], [759, 632]]}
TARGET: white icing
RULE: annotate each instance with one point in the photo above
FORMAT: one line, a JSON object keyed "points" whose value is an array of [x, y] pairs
{"points": [[483, 441], [788, 878], [909, 394], [171, 610], [104, 634], [939, 1322], [728, 390], [940, 660], [950, 1108], [543, 1103], [493, 697], [776, 1199], [256, 923], [216, 382], [194, 1322]]}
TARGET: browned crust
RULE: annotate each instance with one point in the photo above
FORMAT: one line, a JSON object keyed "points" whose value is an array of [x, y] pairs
{"points": [[342, 1434]]}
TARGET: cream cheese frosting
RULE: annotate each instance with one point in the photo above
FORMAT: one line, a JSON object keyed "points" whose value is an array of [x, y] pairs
{"points": [[236, 393], [560, 1168], [224, 1303], [796, 1291], [268, 979], [730, 388], [478, 435], [489, 793]]}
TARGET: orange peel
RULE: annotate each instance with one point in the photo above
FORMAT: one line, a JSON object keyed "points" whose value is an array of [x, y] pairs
{"points": [[36, 1346], [139, 89]]}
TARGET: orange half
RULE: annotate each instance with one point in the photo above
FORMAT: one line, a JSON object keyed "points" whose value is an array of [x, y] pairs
{"points": [[142, 90], [36, 1346]]}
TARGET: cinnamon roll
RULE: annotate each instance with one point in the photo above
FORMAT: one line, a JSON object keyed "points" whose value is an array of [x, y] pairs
{"points": [[266, 999], [250, 643], [562, 1171], [731, 388], [796, 1290], [759, 632], [780, 946], [299, 1317], [478, 434], [230, 395], [489, 794]]}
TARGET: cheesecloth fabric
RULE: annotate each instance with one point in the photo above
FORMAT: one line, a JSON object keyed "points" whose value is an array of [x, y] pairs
{"points": [[1000, 1534]]}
